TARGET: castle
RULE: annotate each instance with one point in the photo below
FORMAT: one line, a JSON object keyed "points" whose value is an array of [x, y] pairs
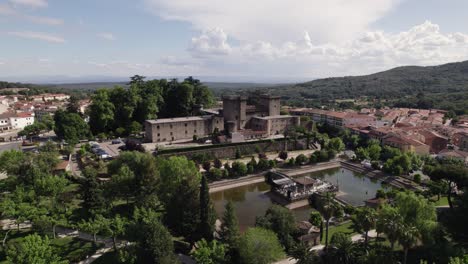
{"points": [[241, 118]]}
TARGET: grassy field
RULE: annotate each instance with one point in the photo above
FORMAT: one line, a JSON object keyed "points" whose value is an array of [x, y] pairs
{"points": [[344, 228], [443, 201]]}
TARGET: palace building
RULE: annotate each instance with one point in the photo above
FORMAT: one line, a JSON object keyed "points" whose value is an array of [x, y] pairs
{"points": [[241, 118]]}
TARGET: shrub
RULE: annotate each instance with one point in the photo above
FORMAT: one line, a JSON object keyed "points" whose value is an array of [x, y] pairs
{"points": [[272, 164], [323, 155], [206, 165], [291, 162], [250, 168], [215, 174], [417, 178], [331, 154], [225, 174], [238, 169], [263, 165], [262, 156], [283, 155], [238, 154], [217, 163], [380, 194], [227, 166], [301, 159], [313, 158], [253, 162], [375, 165]]}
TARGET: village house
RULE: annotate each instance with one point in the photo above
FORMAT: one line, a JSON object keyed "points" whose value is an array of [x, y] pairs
{"points": [[12, 120]]}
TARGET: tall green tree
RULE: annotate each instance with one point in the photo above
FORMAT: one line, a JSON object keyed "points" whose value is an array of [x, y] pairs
{"points": [[155, 244], [230, 234], [336, 144], [207, 213], [70, 126], [209, 252], [73, 105], [328, 208], [179, 191], [101, 112], [364, 221], [260, 246], [454, 175], [281, 221], [138, 175], [33, 249], [342, 249]]}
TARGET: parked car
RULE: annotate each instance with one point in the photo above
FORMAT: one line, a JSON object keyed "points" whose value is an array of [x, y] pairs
{"points": [[117, 141]]}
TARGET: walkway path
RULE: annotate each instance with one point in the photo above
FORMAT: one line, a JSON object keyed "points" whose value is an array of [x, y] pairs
{"points": [[108, 244], [355, 238]]}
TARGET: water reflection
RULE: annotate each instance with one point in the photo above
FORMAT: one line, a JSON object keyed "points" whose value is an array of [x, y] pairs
{"points": [[251, 201]]}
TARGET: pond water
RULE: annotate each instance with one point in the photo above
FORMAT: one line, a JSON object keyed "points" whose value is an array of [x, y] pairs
{"points": [[253, 200]]}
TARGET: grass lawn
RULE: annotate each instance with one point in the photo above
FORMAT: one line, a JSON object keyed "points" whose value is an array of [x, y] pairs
{"points": [[344, 228], [69, 248], [443, 201]]}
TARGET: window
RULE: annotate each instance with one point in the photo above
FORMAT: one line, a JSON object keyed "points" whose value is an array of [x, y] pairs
{"points": [[185, 124], [194, 131], [157, 127], [171, 133], [170, 126], [159, 134], [185, 131]]}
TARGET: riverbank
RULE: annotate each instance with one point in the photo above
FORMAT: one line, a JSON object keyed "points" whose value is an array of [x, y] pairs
{"points": [[223, 185], [256, 178]]}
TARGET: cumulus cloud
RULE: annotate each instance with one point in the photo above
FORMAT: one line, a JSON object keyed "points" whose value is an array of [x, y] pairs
{"points": [[211, 42], [371, 51], [106, 36], [30, 3], [37, 35], [276, 20]]}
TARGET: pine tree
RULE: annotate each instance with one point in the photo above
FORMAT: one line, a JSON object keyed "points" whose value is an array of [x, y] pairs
{"points": [[230, 227], [207, 217]]}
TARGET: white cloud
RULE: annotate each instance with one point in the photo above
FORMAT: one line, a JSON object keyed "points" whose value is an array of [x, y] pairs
{"points": [[276, 21], [106, 36], [371, 51], [210, 42], [45, 20], [30, 3], [37, 35]]}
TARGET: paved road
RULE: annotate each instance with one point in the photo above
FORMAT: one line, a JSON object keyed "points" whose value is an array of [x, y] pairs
{"points": [[10, 145]]}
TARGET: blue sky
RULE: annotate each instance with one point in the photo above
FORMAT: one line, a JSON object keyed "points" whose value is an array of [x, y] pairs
{"points": [[245, 40]]}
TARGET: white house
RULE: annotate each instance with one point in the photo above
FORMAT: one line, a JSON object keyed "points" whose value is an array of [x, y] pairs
{"points": [[11, 120], [21, 120]]}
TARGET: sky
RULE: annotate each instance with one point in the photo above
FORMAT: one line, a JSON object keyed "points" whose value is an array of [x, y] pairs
{"points": [[225, 40]]}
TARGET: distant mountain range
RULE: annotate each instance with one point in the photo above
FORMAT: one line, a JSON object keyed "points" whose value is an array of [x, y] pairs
{"points": [[407, 81]]}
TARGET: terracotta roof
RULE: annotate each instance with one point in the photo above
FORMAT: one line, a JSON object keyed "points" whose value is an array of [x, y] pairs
{"points": [[453, 153], [62, 165], [24, 114]]}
